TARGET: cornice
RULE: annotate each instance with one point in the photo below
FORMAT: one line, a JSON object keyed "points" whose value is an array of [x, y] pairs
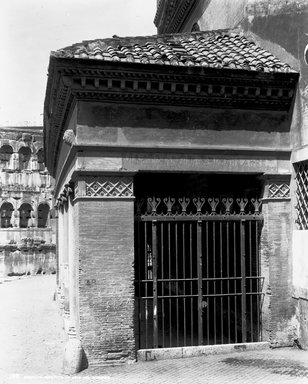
{"points": [[171, 15], [74, 80], [195, 88]]}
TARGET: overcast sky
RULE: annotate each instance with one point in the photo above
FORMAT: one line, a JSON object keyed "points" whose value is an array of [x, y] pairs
{"points": [[30, 29]]}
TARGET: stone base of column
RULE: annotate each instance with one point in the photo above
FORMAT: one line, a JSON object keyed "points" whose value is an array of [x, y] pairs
{"points": [[75, 359], [2, 267], [66, 320]]}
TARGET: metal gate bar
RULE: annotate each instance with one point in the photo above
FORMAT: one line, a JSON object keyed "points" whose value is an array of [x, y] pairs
{"points": [[243, 280], [154, 264], [191, 262], [199, 261], [234, 271]]}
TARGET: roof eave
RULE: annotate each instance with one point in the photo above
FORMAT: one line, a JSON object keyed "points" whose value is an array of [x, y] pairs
{"points": [[60, 68]]}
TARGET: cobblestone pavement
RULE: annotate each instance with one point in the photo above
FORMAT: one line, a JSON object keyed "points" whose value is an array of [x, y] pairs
{"points": [[32, 343]]}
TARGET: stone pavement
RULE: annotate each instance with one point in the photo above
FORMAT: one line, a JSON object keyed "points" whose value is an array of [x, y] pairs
{"points": [[32, 346]]}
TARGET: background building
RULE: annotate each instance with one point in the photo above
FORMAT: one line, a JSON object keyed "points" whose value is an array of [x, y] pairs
{"points": [[27, 223]]}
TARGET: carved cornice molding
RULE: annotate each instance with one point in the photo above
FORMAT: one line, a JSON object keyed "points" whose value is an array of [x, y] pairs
{"points": [[171, 15], [111, 187], [192, 87], [266, 91], [215, 89]]}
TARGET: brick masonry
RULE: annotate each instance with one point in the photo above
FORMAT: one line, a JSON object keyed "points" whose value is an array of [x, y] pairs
{"points": [[279, 324], [106, 279]]}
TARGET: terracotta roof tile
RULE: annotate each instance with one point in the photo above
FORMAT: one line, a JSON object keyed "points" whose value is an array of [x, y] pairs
{"points": [[215, 49]]}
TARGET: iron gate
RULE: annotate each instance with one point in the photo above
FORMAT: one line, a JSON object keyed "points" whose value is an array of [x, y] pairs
{"points": [[197, 271]]}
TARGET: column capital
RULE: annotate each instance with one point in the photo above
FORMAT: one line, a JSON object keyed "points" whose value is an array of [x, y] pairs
{"points": [[68, 191]]}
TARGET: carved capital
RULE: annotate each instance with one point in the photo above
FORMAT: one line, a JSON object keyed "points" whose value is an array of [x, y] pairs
{"points": [[69, 137], [68, 191]]}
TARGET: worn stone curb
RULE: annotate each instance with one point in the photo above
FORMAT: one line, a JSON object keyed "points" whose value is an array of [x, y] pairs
{"points": [[184, 352]]}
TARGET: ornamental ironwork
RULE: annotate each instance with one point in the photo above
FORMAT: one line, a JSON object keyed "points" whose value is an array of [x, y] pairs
{"points": [[197, 206], [198, 271], [301, 178]]}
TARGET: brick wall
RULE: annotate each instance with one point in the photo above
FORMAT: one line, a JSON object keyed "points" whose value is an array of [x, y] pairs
{"points": [[279, 324], [106, 279]]}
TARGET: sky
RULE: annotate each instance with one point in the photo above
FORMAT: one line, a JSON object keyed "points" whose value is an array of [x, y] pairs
{"points": [[31, 29]]}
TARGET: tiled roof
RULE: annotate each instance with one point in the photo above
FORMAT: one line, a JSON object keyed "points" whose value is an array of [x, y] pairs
{"points": [[214, 49]]}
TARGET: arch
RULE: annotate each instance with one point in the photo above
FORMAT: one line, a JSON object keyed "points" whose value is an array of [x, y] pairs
{"points": [[5, 153], [24, 157], [6, 212], [43, 215], [25, 219]]}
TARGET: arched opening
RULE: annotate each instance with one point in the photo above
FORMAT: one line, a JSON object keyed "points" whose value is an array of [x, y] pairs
{"points": [[24, 157], [6, 211], [5, 153], [25, 215], [43, 215], [40, 159]]}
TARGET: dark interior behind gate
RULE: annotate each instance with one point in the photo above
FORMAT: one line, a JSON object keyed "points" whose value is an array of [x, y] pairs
{"points": [[197, 269]]}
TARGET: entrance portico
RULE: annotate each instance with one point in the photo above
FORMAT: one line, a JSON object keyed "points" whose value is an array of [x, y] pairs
{"points": [[201, 132]]}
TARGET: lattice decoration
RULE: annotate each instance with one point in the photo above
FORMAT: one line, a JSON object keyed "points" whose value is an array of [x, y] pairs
{"points": [[184, 206], [278, 191], [112, 186], [301, 178]]}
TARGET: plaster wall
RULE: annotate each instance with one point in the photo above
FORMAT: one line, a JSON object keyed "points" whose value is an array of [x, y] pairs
{"points": [[300, 265], [178, 127], [279, 27]]}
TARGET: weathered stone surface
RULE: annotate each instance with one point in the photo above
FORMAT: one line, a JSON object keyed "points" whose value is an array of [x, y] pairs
{"points": [[106, 279], [27, 228]]}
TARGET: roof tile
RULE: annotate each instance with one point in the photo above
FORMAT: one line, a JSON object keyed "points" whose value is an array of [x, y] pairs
{"points": [[215, 49]]}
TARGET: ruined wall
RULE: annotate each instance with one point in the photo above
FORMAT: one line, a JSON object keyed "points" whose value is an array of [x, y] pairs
{"points": [[27, 223]]}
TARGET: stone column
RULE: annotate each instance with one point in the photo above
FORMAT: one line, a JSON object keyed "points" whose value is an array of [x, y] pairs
{"points": [[74, 356], [56, 210], [65, 245], [73, 267], [15, 218], [105, 249], [276, 262], [60, 251], [2, 265]]}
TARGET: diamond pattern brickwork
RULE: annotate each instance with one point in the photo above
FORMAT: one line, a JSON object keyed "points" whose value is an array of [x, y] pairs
{"points": [[278, 191], [301, 178], [109, 187]]}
